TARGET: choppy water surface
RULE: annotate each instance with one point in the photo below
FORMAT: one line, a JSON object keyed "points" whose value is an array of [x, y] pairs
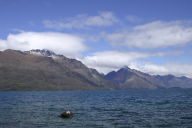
{"points": [[171, 108]]}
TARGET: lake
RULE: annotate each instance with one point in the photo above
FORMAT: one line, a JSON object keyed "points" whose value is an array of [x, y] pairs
{"points": [[163, 108]]}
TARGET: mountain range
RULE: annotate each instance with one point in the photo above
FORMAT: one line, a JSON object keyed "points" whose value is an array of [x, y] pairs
{"points": [[43, 70], [127, 78]]}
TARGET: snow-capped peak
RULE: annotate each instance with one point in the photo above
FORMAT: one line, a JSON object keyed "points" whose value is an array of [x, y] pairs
{"points": [[43, 52]]}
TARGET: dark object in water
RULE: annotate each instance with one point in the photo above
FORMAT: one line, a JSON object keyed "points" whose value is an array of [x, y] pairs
{"points": [[66, 114]]}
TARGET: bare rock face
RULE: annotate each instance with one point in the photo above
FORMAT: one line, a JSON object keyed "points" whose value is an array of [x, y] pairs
{"points": [[66, 114], [44, 70]]}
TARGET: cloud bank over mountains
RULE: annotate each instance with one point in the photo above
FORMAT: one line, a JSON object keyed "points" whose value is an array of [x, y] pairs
{"points": [[109, 60], [61, 43], [154, 35], [112, 60]]}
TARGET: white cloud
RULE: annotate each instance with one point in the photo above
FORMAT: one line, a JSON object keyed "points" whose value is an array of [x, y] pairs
{"points": [[61, 43], [153, 35], [83, 21], [112, 60], [3, 44], [170, 68]]}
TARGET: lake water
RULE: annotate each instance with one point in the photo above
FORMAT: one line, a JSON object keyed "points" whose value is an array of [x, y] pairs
{"points": [[166, 108]]}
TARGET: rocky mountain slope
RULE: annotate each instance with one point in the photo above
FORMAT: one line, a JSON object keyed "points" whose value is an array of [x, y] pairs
{"points": [[170, 81], [127, 78], [45, 70]]}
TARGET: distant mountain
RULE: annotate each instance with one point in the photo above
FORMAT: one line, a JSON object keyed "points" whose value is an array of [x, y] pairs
{"points": [[127, 78], [170, 81], [45, 70]]}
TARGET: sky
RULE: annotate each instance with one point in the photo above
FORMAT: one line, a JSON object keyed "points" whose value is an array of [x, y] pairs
{"points": [[153, 36]]}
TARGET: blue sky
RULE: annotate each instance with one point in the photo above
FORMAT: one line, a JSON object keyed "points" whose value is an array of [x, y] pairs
{"points": [[154, 36]]}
